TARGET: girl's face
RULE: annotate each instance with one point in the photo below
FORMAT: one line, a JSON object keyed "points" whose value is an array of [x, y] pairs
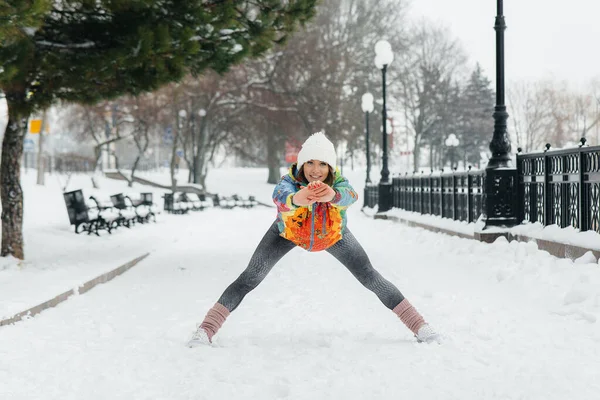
{"points": [[315, 170]]}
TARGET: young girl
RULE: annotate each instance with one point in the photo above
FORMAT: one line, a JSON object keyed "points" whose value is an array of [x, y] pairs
{"points": [[311, 202]]}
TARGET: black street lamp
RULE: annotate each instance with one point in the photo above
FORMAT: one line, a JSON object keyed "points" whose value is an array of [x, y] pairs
{"points": [[452, 143], [500, 144], [383, 58], [175, 158], [196, 142], [367, 107], [500, 200]]}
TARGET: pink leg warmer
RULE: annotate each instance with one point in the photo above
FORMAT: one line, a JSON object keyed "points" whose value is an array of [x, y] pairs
{"points": [[214, 319], [409, 315]]}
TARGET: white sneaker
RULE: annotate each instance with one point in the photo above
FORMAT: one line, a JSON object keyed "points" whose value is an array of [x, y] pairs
{"points": [[427, 334], [199, 338]]}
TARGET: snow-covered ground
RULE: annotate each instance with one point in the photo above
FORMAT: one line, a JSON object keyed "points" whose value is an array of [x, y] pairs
{"points": [[518, 323]]}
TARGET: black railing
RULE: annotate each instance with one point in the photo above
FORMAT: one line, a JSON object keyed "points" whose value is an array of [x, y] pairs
{"points": [[371, 196], [561, 187], [455, 195]]}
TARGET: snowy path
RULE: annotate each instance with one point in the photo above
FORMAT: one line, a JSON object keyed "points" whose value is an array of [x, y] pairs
{"points": [[519, 324]]}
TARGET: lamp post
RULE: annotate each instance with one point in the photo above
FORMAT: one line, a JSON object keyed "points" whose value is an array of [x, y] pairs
{"points": [[500, 144], [174, 156], [110, 130], [182, 116], [383, 58], [500, 201], [107, 133], [198, 144], [452, 143], [367, 107]]}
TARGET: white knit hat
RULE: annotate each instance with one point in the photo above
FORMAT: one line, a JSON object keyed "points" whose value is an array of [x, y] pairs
{"points": [[317, 147]]}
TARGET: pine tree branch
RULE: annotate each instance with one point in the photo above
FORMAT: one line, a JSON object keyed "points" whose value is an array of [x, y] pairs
{"points": [[85, 45]]}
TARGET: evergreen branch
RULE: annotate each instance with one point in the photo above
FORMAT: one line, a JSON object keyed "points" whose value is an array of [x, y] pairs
{"points": [[86, 45]]}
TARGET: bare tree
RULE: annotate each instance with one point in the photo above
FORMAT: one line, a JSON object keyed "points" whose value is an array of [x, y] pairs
{"points": [[584, 115], [545, 112], [143, 115], [316, 81], [211, 104], [531, 114], [104, 123], [422, 78]]}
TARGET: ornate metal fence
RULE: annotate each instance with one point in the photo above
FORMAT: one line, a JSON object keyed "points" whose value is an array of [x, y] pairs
{"points": [[371, 196], [456, 195], [561, 187]]}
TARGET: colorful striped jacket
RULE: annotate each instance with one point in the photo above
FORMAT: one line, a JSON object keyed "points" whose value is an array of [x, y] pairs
{"points": [[318, 226]]}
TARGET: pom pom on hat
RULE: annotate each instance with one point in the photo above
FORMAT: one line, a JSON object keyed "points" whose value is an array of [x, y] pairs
{"points": [[317, 147]]}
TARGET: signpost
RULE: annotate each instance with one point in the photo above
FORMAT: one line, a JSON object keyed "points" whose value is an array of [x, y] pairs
{"points": [[35, 126], [28, 145]]}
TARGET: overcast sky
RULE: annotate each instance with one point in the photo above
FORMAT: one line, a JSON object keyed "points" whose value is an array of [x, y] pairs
{"points": [[544, 38]]}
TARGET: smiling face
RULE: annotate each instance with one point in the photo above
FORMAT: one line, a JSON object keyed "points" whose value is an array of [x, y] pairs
{"points": [[315, 170]]}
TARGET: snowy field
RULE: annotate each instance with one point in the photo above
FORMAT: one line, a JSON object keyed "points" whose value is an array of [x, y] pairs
{"points": [[517, 322]]}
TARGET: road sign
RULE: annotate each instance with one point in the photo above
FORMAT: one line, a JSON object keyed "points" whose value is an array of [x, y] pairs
{"points": [[28, 145], [35, 126], [180, 153]]}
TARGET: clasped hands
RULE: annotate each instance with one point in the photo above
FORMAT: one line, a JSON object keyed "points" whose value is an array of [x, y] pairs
{"points": [[316, 191]]}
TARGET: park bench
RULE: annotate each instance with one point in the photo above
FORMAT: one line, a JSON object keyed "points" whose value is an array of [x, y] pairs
{"points": [[196, 201], [237, 200], [128, 215], [107, 210], [253, 201], [148, 201], [233, 201], [216, 200], [86, 216], [143, 206], [182, 202], [227, 202], [205, 201], [174, 205], [191, 200], [246, 203]]}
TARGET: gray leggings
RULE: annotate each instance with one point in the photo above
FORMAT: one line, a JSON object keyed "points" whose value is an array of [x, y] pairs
{"points": [[273, 247]]}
